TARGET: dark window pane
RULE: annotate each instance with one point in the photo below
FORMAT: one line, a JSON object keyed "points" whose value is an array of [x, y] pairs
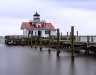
{"points": [[47, 32]]}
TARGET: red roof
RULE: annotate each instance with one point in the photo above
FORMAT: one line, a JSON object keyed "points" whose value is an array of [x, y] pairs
{"points": [[27, 25]]}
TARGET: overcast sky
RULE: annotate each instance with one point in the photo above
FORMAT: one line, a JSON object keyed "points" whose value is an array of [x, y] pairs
{"points": [[61, 13]]}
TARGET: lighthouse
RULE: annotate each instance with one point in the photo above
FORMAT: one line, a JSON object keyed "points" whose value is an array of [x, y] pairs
{"points": [[36, 17], [37, 26]]}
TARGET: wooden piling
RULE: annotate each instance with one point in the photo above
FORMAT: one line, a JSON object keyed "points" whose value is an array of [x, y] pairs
{"points": [[23, 41], [67, 36], [31, 38], [94, 51], [58, 42], [49, 40], [28, 38], [87, 51], [18, 40], [88, 40], [92, 40], [61, 35], [70, 36], [77, 37], [72, 42], [40, 41], [35, 41]]}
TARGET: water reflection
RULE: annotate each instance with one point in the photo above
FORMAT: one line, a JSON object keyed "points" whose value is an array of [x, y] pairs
{"points": [[72, 68], [65, 66], [25, 60]]}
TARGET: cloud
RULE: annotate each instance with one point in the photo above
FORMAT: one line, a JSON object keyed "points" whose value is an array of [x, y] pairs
{"points": [[10, 26], [22, 8], [82, 20], [62, 14]]}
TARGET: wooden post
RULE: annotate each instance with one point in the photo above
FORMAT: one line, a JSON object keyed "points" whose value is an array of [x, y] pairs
{"points": [[28, 38], [88, 40], [67, 36], [61, 35], [31, 38], [23, 41], [70, 36], [58, 37], [92, 40], [87, 51], [49, 40], [77, 37], [35, 41], [72, 42], [18, 40], [40, 41]]}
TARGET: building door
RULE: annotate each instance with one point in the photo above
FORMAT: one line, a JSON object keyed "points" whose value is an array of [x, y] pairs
{"points": [[39, 33]]}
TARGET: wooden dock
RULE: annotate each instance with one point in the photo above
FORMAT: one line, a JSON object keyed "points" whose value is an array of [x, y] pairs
{"points": [[63, 44]]}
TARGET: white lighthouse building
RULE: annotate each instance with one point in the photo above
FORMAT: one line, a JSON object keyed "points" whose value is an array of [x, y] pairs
{"points": [[38, 26]]}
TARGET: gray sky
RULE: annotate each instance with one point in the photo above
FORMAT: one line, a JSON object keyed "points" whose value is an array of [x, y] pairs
{"points": [[61, 13]]}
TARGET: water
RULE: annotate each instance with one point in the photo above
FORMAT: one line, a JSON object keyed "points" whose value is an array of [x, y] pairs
{"points": [[18, 60]]}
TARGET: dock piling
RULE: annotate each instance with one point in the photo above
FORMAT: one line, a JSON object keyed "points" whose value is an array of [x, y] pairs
{"points": [[49, 40], [87, 51], [40, 41], [35, 41], [31, 39], [58, 40], [72, 42], [23, 41], [92, 40], [28, 38], [61, 35], [18, 40], [77, 37], [67, 36]]}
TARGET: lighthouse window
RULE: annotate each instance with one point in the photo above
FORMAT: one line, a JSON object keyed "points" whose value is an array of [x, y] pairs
{"points": [[46, 31], [30, 32]]}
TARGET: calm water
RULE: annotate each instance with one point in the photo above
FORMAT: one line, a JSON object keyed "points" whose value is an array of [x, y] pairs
{"points": [[18, 60]]}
